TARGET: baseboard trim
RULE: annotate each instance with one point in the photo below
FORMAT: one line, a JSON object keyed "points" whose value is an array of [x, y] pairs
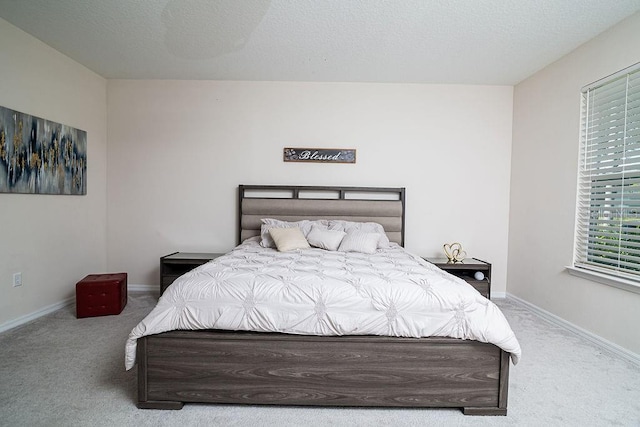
{"points": [[133, 287], [64, 303], [589, 336], [36, 314]]}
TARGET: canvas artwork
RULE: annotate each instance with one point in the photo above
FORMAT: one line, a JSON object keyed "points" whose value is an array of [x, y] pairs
{"points": [[39, 156]]}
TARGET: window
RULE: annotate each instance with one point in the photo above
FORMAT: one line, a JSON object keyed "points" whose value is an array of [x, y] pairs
{"points": [[608, 210]]}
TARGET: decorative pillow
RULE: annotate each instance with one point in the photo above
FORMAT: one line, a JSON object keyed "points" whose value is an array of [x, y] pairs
{"points": [[359, 241], [269, 223], [366, 227], [288, 239], [325, 239]]}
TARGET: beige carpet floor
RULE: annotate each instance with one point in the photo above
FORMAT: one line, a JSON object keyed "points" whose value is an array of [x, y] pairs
{"points": [[63, 371]]}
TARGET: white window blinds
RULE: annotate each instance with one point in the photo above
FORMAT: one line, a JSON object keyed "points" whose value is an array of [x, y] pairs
{"points": [[608, 210]]}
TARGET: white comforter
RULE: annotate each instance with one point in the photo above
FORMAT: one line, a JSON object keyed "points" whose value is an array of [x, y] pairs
{"points": [[319, 292]]}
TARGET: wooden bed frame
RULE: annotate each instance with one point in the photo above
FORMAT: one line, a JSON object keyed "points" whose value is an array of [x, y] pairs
{"points": [[215, 366]]}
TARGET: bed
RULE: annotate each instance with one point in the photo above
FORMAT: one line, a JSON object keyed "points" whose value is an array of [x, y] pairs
{"points": [[217, 365]]}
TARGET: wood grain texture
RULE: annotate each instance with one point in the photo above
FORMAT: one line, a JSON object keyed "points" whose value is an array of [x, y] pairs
{"points": [[257, 368], [279, 369]]}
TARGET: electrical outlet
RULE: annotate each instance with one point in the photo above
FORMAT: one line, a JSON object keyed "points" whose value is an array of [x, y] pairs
{"points": [[17, 279]]}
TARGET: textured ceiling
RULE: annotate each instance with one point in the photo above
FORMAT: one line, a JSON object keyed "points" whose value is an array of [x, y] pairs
{"points": [[420, 41]]}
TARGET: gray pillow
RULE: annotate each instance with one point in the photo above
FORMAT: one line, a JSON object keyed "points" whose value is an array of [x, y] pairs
{"points": [[366, 227], [325, 239], [360, 241]]}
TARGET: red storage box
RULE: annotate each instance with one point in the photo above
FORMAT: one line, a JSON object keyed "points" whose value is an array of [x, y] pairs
{"points": [[101, 295]]}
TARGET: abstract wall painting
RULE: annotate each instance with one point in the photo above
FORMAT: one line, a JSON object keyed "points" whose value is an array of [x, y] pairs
{"points": [[38, 156]]}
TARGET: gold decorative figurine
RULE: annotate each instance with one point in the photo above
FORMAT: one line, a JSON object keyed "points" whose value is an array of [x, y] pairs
{"points": [[454, 252]]}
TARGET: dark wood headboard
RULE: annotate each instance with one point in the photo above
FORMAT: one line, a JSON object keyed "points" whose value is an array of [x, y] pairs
{"points": [[385, 206]]}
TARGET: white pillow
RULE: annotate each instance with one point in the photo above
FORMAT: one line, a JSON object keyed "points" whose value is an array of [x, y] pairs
{"points": [[269, 223], [366, 227], [359, 241], [288, 239], [325, 239]]}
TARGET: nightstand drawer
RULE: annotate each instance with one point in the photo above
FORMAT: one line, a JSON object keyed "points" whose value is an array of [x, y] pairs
{"points": [[167, 280], [466, 270], [177, 270], [481, 286]]}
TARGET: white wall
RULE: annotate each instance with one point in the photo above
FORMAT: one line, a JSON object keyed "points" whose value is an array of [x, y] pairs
{"points": [[543, 190], [53, 240], [179, 149]]}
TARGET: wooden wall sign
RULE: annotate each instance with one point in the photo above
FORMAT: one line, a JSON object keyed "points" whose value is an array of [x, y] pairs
{"points": [[320, 155]]}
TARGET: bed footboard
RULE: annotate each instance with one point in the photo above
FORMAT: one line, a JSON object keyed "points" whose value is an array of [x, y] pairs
{"points": [[279, 369]]}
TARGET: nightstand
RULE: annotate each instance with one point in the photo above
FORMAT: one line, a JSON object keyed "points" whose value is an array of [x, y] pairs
{"points": [[176, 264], [465, 270]]}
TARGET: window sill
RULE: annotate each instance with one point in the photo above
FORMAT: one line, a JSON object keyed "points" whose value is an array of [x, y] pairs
{"points": [[606, 279]]}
